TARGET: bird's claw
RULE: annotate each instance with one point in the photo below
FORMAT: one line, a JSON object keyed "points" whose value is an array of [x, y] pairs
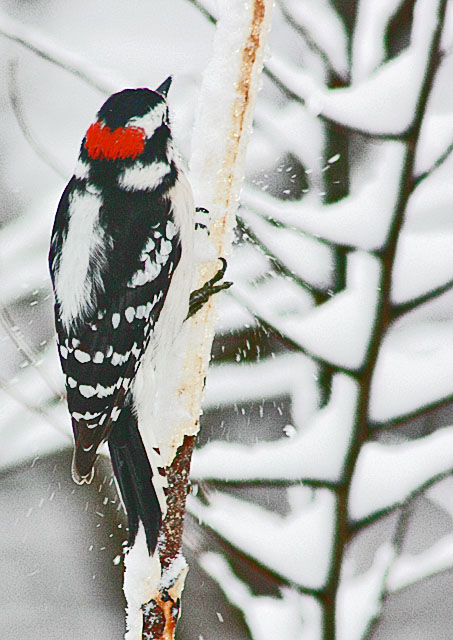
{"points": [[200, 296]]}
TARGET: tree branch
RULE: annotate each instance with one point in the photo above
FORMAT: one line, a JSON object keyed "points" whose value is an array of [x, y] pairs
{"points": [[359, 525], [416, 413], [56, 54], [439, 162], [399, 310], [217, 168], [319, 296], [18, 110], [383, 312], [309, 40]]}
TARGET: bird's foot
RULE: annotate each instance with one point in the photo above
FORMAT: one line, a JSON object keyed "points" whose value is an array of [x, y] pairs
{"points": [[199, 297]]}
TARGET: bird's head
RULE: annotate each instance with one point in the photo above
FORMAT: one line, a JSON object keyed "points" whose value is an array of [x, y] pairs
{"points": [[126, 121]]}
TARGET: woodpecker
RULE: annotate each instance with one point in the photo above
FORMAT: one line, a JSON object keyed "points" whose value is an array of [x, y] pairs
{"points": [[121, 264]]}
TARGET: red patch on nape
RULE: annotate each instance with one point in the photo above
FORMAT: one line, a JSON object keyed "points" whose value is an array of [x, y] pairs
{"points": [[120, 144]]}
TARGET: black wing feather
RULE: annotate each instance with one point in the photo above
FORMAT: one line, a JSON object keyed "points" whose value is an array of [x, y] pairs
{"points": [[100, 354]]}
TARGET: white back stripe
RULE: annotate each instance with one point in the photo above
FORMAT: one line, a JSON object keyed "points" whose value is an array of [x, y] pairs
{"points": [[84, 237]]}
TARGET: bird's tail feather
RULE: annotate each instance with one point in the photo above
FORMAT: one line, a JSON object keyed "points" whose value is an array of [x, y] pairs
{"points": [[134, 474]]}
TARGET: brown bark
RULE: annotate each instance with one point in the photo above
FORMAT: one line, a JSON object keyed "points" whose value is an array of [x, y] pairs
{"points": [[161, 614]]}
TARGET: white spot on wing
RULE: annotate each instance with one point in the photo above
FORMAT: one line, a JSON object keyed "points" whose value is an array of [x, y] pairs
{"points": [[140, 313], [98, 357], [170, 230], [150, 244], [165, 247], [85, 416], [138, 279], [161, 259], [115, 414], [104, 392], [116, 320], [130, 314], [152, 270], [119, 358], [87, 391], [81, 356]]}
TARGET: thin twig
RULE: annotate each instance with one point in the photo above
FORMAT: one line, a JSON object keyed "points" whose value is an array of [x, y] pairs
{"points": [[311, 43], [319, 296], [268, 482], [207, 14], [34, 409], [359, 525], [401, 309], [232, 550], [51, 52], [425, 410], [18, 110], [439, 162], [288, 342], [31, 356]]}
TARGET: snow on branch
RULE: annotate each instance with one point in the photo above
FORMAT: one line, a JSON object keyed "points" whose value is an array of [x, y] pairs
{"points": [[292, 615], [360, 597], [320, 22], [372, 22], [390, 93], [104, 81], [362, 219], [435, 144], [410, 568], [305, 256], [423, 263], [272, 377], [287, 545], [315, 451], [222, 130], [414, 369], [339, 330], [388, 474]]}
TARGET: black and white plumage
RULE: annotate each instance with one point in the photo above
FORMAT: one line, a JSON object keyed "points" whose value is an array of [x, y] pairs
{"points": [[121, 268]]}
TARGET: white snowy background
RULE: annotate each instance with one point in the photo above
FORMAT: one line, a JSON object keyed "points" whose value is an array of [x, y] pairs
{"points": [[325, 458]]}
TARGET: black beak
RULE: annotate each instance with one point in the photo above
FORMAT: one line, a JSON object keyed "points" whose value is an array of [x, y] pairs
{"points": [[164, 87]]}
